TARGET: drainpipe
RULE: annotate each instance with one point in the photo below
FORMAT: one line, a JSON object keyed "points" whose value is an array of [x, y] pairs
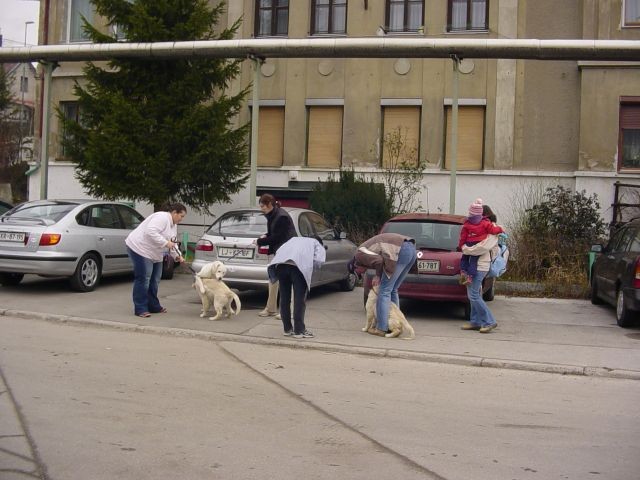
{"points": [[454, 136], [255, 109], [44, 149]]}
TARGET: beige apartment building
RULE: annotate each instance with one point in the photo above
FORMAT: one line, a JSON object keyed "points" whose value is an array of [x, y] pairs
{"points": [[522, 124]]}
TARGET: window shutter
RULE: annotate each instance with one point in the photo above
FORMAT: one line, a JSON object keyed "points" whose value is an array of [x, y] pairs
{"points": [[325, 137], [630, 116], [270, 136], [407, 121], [470, 138]]}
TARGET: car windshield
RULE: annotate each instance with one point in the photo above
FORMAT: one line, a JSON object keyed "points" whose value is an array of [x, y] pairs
{"points": [[51, 212], [240, 224], [428, 234]]}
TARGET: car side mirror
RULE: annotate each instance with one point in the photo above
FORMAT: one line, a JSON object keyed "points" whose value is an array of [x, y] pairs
{"points": [[596, 248]]}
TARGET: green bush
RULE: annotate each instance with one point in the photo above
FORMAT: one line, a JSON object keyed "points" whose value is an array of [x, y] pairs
{"points": [[552, 238], [355, 205]]}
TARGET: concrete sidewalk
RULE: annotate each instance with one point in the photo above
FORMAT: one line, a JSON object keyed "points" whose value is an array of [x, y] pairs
{"points": [[547, 335]]}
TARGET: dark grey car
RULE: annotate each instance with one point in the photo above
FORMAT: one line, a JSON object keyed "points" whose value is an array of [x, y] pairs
{"points": [[615, 274], [230, 239]]}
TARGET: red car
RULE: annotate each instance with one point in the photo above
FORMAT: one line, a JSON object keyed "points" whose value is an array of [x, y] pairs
{"points": [[435, 275]]}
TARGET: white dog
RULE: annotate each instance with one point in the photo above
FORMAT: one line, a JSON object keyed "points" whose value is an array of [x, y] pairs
{"points": [[214, 292], [397, 321]]}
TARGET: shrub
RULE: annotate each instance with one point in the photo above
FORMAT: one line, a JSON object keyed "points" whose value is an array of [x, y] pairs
{"points": [[355, 205]]}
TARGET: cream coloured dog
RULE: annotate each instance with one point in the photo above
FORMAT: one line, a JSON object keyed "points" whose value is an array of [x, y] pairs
{"points": [[214, 292], [397, 321]]}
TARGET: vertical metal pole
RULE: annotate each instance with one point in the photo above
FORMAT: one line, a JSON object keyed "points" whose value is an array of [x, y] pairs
{"points": [[44, 149], [23, 84], [454, 137], [255, 110]]}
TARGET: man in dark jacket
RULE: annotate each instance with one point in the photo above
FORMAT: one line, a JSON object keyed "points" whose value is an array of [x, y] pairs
{"points": [[280, 228]]}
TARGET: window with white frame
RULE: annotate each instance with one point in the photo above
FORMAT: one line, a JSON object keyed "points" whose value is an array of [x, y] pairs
{"points": [[631, 13], [467, 15], [271, 18], [328, 17], [629, 135], [78, 9], [404, 15]]}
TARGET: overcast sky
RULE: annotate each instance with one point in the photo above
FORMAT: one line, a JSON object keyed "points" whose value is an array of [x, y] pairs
{"points": [[13, 14]]}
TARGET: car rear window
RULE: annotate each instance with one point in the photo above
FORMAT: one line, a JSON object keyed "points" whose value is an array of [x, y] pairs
{"points": [[240, 224], [51, 212], [434, 235]]}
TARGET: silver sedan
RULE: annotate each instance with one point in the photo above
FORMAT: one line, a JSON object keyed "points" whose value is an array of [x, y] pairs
{"points": [[82, 240], [231, 240]]}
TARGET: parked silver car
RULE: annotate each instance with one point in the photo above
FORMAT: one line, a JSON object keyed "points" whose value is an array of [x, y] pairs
{"points": [[82, 240], [230, 240]]}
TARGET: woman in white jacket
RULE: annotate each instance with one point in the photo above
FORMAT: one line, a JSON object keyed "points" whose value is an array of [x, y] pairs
{"points": [[146, 246]]}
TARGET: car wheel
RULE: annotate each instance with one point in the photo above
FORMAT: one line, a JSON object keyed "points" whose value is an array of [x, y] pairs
{"points": [[168, 267], [349, 283], [87, 274], [467, 311], [595, 299], [489, 294], [10, 278], [624, 316]]}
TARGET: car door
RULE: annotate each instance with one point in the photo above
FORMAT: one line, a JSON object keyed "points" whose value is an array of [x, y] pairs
{"points": [[612, 263], [338, 251], [109, 234], [129, 220]]}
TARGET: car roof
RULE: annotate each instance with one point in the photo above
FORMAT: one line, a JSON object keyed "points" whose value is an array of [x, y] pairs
{"points": [[425, 217]]}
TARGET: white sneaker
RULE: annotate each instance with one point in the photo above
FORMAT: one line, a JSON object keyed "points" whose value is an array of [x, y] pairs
{"points": [[266, 313], [278, 317], [305, 334]]}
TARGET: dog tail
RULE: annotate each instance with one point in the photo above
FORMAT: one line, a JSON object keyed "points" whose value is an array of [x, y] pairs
{"points": [[236, 299], [200, 285], [406, 327]]}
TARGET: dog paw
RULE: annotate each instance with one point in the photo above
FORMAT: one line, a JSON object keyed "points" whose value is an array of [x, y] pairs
{"points": [[365, 329]]}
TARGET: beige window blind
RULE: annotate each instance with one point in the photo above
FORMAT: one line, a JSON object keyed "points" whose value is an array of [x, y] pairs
{"points": [[470, 138], [401, 139], [324, 147], [270, 136]]}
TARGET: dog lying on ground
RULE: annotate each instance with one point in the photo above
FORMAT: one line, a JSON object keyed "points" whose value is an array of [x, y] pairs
{"points": [[214, 292], [397, 321]]}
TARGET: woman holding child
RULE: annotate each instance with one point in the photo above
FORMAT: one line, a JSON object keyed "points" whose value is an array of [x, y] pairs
{"points": [[477, 252]]}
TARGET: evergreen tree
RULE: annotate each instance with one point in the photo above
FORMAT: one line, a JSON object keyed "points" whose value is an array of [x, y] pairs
{"points": [[159, 130]]}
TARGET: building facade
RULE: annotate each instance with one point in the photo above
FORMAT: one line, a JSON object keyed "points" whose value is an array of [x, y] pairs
{"points": [[523, 125]]}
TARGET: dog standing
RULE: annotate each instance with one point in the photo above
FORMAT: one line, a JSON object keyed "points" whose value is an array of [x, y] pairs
{"points": [[397, 321], [214, 292]]}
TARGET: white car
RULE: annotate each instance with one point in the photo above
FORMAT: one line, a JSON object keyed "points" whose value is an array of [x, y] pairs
{"points": [[79, 239], [230, 239]]}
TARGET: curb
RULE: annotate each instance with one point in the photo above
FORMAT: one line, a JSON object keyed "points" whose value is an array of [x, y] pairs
{"points": [[464, 360]]}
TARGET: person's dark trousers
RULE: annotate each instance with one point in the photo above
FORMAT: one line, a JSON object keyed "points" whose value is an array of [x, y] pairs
{"points": [[290, 277], [146, 275]]}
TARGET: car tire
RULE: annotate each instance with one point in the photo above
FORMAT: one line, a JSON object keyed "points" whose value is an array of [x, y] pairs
{"points": [[168, 268], [9, 279], [87, 274], [625, 317], [467, 311], [595, 299], [349, 283], [489, 294]]}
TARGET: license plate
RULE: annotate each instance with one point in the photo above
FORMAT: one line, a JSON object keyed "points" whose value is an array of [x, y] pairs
{"points": [[428, 266], [12, 236], [226, 252]]}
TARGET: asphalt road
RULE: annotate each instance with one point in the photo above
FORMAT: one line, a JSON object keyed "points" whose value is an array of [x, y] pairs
{"points": [[81, 402]]}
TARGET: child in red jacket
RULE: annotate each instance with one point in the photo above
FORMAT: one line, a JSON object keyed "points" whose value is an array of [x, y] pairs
{"points": [[474, 230]]}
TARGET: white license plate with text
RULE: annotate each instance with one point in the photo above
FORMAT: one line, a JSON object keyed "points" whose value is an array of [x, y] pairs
{"points": [[428, 266], [226, 252], [12, 237]]}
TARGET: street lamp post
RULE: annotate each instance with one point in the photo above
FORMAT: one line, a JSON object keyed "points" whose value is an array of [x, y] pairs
{"points": [[23, 85]]}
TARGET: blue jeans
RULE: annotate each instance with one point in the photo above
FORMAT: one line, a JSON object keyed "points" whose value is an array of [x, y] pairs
{"points": [[481, 316], [388, 290], [146, 278]]}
